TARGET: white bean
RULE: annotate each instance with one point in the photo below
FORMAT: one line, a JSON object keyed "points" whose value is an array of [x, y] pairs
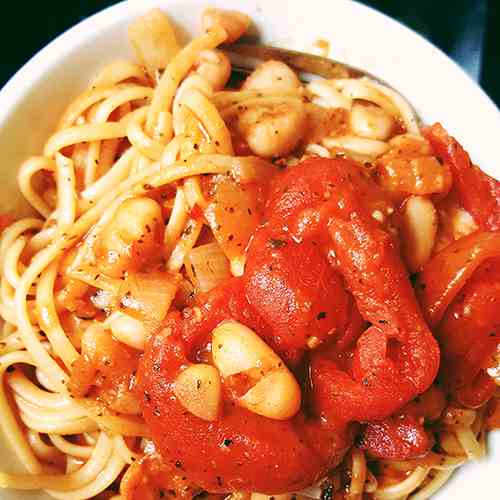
{"points": [[272, 132], [238, 349], [127, 329], [131, 237], [419, 224], [272, 74], [133, 216], [371, 122], [275, 396], [198, 389]]}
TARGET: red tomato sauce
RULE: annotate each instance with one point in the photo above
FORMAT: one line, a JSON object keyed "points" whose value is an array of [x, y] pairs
{"points": [[324, 285]]}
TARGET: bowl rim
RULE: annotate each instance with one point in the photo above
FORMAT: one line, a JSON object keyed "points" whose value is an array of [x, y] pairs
{"points": [[25, 78], [35, 67]]}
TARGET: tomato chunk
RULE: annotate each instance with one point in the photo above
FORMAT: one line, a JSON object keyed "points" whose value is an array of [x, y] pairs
{"points": [[397, 438], [397, 357], [247, 452], [318, 240], [296, 291]]}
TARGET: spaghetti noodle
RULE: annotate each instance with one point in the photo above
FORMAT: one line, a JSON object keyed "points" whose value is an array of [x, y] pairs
{"points": [[148, 195]]}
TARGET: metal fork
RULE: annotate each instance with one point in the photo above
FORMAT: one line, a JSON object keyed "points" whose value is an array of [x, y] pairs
{"points": [[245, 57]]}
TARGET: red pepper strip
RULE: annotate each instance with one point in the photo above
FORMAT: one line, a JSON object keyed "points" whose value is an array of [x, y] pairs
{"points": [[447, 272], [396, 438], [395, 359], [469, 335], [478, 192]]}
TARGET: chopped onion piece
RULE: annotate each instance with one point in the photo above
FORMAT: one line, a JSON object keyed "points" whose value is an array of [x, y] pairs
{"points": [[207, 266], [233, 214], [150, 294]]}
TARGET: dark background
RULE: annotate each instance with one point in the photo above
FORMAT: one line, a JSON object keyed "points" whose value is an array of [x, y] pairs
{"points": [[467, 30]]}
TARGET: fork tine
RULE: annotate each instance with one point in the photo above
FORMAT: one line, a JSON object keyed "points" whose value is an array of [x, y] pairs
{"points": [[246, 56]]}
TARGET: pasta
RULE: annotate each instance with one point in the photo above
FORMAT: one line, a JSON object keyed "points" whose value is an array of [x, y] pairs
{"points": [[163, 217]]}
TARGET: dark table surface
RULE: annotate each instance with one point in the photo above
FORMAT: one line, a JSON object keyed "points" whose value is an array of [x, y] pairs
{"points": [[467, 30]]}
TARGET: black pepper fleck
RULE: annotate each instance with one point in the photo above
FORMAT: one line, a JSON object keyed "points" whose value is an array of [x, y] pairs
{"points": [[275, 243]]}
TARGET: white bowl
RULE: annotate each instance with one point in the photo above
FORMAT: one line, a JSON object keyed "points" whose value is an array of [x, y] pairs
{"points": [[34, 98]]}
